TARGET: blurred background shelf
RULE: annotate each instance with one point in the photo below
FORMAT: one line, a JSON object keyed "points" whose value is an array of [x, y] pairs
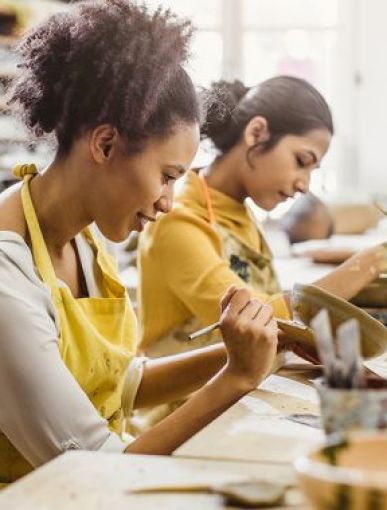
{"points": [[16, 144]]}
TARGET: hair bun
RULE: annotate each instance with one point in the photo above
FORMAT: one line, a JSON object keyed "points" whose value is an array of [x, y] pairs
{"points": [[221, 100], [105, 62]]}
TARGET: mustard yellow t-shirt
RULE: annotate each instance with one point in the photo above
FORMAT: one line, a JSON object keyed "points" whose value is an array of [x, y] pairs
{"points": [[183, 270]]}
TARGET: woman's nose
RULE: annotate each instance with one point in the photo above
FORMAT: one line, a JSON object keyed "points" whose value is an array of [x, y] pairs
{"points": [[302, 185], [164, 204]]}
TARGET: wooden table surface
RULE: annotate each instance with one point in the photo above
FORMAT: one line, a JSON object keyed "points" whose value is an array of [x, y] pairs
{"points": [[252, 439], [257, 428], [103, 481]]}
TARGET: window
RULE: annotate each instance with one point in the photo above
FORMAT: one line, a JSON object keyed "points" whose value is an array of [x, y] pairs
{"points": [[255, 39], [299, 38], [205, 63]]}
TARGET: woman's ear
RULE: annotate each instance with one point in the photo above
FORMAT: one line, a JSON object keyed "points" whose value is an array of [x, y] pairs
{"points": [[256, 131], [103, 141]]}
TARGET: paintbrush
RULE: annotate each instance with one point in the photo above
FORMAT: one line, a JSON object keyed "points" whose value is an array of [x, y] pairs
{"points": [[348, 336], [379, 206], [215, 325], [321, 326]]}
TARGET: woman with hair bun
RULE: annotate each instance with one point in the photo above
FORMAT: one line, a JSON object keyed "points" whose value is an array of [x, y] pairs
{"points": [[106, 80], [269, 139]]}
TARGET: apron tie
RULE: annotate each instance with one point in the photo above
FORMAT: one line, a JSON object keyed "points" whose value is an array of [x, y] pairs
{"points": [[20, 171]]}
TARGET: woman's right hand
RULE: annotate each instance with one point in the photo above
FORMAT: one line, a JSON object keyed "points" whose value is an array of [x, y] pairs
{"points": [[250, 335]]}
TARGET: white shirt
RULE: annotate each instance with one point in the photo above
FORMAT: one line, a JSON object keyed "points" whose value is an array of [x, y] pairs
{"points": [[43, 410]]}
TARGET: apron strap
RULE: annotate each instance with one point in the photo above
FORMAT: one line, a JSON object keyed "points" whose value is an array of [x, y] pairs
{"points": [[39, 249], [207, 197]]}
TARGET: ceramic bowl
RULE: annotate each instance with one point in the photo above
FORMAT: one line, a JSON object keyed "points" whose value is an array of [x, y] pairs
{"points": [[308, 300], [348, 473]]}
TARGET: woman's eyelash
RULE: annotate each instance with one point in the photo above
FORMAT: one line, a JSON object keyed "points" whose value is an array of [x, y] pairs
{"points": [[300, 162], [168, 178]]}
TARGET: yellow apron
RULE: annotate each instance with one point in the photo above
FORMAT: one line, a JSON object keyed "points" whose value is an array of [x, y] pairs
{"points": [[254, 268], [98, 336]]}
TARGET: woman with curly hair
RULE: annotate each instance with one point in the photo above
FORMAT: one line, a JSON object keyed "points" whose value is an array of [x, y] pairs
{"points": [[268, 141], [106, 80]]}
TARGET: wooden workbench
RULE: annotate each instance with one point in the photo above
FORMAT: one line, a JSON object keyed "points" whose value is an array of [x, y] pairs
{"points": [[91, 481], [252, 439], [257, 428]]}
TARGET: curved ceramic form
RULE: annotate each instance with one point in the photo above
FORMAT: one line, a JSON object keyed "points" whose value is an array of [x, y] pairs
{"points": [[349, 473]]}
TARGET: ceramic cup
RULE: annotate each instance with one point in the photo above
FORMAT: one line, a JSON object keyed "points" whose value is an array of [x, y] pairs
{"points": [[350, 409]]}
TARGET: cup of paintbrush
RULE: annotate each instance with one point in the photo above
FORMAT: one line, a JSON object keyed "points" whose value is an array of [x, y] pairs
{"points": [[348, 400]]}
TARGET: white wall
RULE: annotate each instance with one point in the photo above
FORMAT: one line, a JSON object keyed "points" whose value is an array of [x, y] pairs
{"points": [[371, 95], [362, 97]]}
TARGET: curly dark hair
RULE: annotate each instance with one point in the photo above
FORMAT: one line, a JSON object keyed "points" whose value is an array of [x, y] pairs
{"points": [[290, 105], [106, 61]]}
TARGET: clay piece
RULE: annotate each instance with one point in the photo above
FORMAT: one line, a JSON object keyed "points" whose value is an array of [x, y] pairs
{"points": [[308, 300]]}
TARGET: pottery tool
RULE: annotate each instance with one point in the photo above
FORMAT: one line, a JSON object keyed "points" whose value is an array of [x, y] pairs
{"points": [[283, 324], [344, 370], [246, 494], [311, 420], [332, 366], [348, 345]]}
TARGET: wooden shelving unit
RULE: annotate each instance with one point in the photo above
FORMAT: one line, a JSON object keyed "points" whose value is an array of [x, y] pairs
{"points": [[16, 145], [13, 138]]}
